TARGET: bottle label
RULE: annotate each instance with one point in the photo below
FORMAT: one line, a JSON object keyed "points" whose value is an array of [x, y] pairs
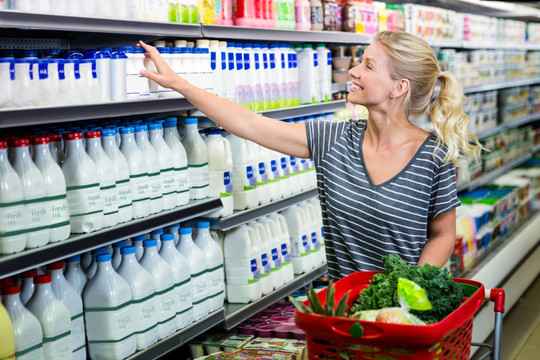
{"points": [[276, 259], [37, 214], [247, 64], [251, 179], [168, 181], [316, 15], [285, 253], [265, 265], [300, 247], [263, 175], [294, 165], [109, 324], [240, 93], [216, 280], [11, 219], [220, 183], [329, 58], [198, 286], [274, 169], [146, 311], [230, 57], [315, 242], [77, 332], [123, 187], [198, 175], [166, 304], [156, 189], [223, 61], [248, 95], [140, 188], [239, 62], [284, 167], [110, 199], [213, 60], [84, 200], [256, 61], [182, 180], [58, 347], [258, 93], [59, 209], [305, 245], [43, 71], [304, 165], [255, 271], [184, 296]]}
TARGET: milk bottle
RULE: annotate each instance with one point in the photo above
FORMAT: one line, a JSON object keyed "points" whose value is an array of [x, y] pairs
{"points": [[138, 173], [216, 67], [23, 85], [166, 166], [103, 70], [325, 74], [300, 242], [214, 260], [144, 298], [116, 257], [68, 296], [244, 178], [147, 88], [92, 268], [173, 229], [121, 171], [308, 81], [88, 77], [27, 284], [285, 178], [261, 175], [172, 139], [315, 225], [156, 234], [242, 265], [133, 66], [8, 79], [161, 273], [44, 93], [197, 156], [54, 318], [267, 278], [259, 101], [271, 167], [229, 80], [107, 177], [248, 76], [318, 213], [153, 166], [12, 222], [36, 209], [85, 203], [110, 320], [55, 149], [74, 273], [118, 76], [26, 327], [182, 280], [198, 268], [278, 171], [137, 242], [220, 170], [58, 84], [276, 258]]}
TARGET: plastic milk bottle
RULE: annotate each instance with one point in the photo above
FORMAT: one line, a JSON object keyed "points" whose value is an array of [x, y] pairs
{"points": [[172, 139], [274, 245], [220, 169], [267, 277], [244, 178], [27, 284], [74, 273], [166, 165], [300, 242], [197, 156], [153, 166]]}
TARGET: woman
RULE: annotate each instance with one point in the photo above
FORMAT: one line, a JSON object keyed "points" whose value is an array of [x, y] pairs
{"points": [[385, 185]]}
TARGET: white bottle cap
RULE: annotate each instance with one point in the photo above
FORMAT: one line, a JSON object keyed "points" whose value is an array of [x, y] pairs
{"points": [[203, 43], [180, 43], [214, 43], [159, 43]]}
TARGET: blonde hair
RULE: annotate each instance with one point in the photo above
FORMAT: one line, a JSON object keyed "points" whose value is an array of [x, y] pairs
{"points": [[413, 59]]}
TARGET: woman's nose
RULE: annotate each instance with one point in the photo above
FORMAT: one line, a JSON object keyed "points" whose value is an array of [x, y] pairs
{"points": [[355, 71]]}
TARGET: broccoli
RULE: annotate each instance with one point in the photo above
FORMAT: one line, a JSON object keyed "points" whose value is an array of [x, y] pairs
{"points": [[443, 292]]}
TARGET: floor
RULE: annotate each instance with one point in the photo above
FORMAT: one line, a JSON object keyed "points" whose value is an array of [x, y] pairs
{"points": [[521, 328]]}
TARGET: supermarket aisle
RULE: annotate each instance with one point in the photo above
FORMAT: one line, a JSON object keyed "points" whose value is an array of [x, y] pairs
{"points": [[521, 327]]}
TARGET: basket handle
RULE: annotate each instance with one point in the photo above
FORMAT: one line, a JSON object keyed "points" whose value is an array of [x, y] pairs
{"points": [[498, 297], [343, 328]]}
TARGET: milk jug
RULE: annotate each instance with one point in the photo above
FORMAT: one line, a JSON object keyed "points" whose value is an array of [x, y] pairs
{"points": [[107, 177], [54, 318], [110, 319], [182, 280], [138, 173], [144, 298], [156, 234], [27, 284], [26, 327], [56, 151], [315, 218], [242, 265], [197, 156], [261, 175], [198, 268], [244, 178], [137, 242], [121, 171], [171, 137], [12, 223], [74, 273], [161, 273], [214, 261], [7, 78], [220, 169], [92, 268], [267, 278], [116, 258], [324, 57], [166, 166], [274, 246], [56, 189], [274, 186], [68, 296], [85, 203], [285, 178], [299, 237], [153, 166], [173, 229]]}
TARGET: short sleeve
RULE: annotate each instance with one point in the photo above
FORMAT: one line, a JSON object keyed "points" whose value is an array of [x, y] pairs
{"points": [[322, 135], [443, 191]]}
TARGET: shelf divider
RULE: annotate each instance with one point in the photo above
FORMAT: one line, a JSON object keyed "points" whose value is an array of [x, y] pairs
{"points": [[501, 85], [304, 110]]}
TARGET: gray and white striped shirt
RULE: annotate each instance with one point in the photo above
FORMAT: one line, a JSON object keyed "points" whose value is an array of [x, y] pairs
{"points": [[363, 221]]}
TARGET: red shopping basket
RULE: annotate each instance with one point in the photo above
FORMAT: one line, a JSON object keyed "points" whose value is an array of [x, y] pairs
{"points": [[330, 337]]}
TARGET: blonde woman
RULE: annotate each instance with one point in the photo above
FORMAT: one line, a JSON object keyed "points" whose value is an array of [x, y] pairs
{"points": [[385, 185]]}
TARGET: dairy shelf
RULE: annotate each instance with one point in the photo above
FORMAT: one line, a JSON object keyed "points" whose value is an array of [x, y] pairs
{"points": [[236, 313], [305, 110], [28, 259], [514, 124], [501, 85], [245, 216]]}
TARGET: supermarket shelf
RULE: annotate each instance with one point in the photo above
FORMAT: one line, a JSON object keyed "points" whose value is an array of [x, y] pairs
{"points": [[535, 149], [515, 124], [261, 34], [492, 175], [244, 216], [473, 45], [304, 110], [180, 338], [236, 313], [55, 114], [76, 244], [501, 85]]}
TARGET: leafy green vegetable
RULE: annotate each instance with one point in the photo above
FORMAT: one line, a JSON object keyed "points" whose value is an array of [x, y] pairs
{"points": [[443, 292], [315, 306]]}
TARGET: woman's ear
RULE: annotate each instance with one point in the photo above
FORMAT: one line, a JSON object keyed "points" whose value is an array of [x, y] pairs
{"points": [[400, 88]]}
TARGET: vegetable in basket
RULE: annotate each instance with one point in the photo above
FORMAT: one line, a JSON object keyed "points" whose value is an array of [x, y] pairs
{"points": [[315, 306]]}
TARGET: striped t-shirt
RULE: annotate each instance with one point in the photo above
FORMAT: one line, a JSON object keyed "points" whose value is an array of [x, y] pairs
{"points": [[362, 221]]}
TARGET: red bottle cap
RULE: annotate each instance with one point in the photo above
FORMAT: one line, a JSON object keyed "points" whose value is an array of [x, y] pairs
{"points": [[55, 137], [6, 281], [92, 134], [19, 142], [11, 290], [29, 273], [57, 265], [3, 144], [42, 279], [40, 140], [73, 136]]}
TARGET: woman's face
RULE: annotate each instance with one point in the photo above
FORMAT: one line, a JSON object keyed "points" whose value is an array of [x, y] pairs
{"points": [[371, 81]]}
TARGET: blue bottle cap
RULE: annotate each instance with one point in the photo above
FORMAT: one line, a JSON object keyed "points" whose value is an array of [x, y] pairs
{"points": [[191, 120], [98, 251], [127, 250], [167, 236], [163, 50], [108, 132], [141, 128], [157, 231], [127, 130], [125, 49], [154, 126], [103, 257], [137, 50], [149, 242], [74, 258], [185, 231], [119, 244], [203, 224], [138, 237]]}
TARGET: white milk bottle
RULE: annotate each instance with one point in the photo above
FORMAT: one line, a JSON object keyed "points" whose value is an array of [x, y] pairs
{"points": [[153, 166], [56, 189], [285, 178], [173, 229], [68, 296], [230, 74], [325, 72], [260, 173], [26, 327], [27, 284], [107, 177], [36, 209], [172, 139], [147, 88], [88, 77], [318, 213], [110, 319], [244, 178], [274, 246], [156, 234], [23, 85], [182, 280], [166, 55], [144, 299], [137, 242], [74, 273], [7, 77], [214, 260], [198, 268], [58, 81], [44, 90], [315, 224], [300, 242], [162, 277], [197, 156], [242, 265], [56, 151], [249, 75], [12, 222], [166, 166], [118, 76], [277, 171], [116, 257], [269, 84], [133, 66], [138, 173], [121, 171], [54, 318], [273, 187], [308, 79], [220, 169], [267, 278], [85, 203], [103, 71], [216, 67], [72, 82], [92, 268]]}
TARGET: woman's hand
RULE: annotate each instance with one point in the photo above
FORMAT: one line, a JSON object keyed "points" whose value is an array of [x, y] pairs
{"points": [[165, 76]]}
